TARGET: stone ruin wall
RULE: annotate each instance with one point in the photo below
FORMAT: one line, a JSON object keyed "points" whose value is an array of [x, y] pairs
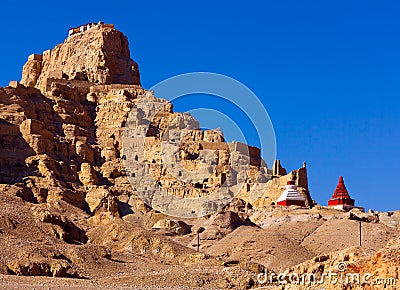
{"points": [[82, 145], [64, 134]]}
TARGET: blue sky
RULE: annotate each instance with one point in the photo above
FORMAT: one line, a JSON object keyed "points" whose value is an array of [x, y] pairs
{"points": [[326, 71]]}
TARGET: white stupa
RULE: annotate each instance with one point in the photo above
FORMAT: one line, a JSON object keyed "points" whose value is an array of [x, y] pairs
{"points": [[291, 196]]}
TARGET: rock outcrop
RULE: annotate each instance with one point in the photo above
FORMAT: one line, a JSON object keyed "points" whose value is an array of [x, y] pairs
{"points": [[63, 167], [63, 126], [71, 203], [99, 55]]}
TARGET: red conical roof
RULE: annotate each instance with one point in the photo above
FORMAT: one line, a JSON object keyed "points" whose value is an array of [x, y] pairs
{"points": [[341, 195], [341, 190]]}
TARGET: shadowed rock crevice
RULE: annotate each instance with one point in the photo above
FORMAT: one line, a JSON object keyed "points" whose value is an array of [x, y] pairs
{"points": [[14, 151]]}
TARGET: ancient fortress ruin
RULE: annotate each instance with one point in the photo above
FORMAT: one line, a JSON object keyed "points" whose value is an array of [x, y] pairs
{"points": [[62, 127], [97, 174], [85, 27]]}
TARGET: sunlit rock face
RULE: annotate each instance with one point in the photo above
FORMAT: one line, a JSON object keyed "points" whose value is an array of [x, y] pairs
{"points": [[99, 55]]}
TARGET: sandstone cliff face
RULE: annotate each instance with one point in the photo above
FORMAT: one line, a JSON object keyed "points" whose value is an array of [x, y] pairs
{"points": [[99, 55], [62, 128], [68, 203]]}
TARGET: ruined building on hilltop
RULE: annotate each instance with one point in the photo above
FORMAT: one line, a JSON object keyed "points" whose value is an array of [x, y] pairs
{"points": [[62, 127]]}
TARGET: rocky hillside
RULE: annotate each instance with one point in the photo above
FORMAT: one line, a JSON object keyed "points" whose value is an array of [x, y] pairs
{"points": [[71, 203]]}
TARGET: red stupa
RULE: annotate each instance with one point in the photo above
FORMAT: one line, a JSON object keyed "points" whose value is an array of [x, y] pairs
{"points": [[341, 197]]}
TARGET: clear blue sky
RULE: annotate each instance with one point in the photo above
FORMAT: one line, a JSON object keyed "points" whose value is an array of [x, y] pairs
{"points": [[328, 72]]}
